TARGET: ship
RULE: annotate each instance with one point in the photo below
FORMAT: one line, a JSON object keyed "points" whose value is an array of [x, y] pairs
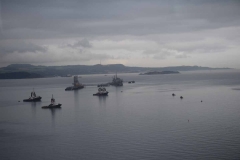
{"points": [[101, 92], [76, 85], [116, 81], [53, 105], [33, 98], [103, 85]]}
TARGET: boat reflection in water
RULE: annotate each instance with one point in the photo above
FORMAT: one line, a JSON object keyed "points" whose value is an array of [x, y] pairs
{"points": [[76, 85]]}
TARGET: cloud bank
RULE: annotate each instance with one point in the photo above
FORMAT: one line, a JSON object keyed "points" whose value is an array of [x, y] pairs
{"points": [[136, 33]]}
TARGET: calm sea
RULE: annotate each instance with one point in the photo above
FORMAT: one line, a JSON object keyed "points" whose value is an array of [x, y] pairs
{"points": [[140, 121]]}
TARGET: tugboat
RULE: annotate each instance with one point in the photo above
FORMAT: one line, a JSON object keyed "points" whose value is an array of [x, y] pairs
{"points": [[53, 105], [76, 85], [33, 98], [101, 92], [116, 81]]}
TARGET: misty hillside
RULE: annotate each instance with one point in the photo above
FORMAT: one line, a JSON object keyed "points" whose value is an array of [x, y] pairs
{"points": [[50, 71]]}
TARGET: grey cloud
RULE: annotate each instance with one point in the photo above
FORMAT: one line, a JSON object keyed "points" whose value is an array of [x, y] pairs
{"points": [[54, 57], [162, 53], [94, 56], [150, 52], [181, 28], [198, 47], [159, 54], [48, 19], [182, 56], [82, 43], [18, 46]]}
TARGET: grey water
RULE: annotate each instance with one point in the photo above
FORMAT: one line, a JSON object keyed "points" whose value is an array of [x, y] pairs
{"points": [[137, 121]]}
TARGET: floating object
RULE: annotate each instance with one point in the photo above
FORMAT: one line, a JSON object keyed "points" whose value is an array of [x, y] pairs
{"points": [[181, 97], [76, 85], [33, 98], [173, 94], [103, 85], [101, 92], [53, 105], [116, 81], [18, 101], [131, 82], [201, 101]]}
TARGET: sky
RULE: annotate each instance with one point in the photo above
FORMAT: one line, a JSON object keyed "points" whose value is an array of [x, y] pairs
{"points": [[144, 33]]}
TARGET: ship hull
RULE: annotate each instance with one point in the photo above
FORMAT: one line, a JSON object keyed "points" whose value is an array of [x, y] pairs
{"points": [[52, 106], [101, 94], [33, 100], [73, 88], [116, 84]]}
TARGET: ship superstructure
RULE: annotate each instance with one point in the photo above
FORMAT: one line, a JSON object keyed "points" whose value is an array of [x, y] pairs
{"points": [[116, 81], [76, 85]]}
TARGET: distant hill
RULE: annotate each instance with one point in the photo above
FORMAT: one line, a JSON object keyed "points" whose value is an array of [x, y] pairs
{"points": [[20, 70], [157, 72]]}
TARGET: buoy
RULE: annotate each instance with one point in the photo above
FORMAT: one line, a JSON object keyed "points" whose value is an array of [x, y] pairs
{"points": [[173, 94], [201, 100], [181, 97]]}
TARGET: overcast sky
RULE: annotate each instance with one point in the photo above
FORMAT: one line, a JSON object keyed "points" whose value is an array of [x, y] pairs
{"points": [[150, 33]]}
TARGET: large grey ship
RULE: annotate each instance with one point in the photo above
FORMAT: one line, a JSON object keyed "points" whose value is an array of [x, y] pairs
{"points": [[116, 81]]}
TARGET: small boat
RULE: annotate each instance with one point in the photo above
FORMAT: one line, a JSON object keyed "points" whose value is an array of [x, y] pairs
{"points": [[53, 105], [33, 98], [76, 85], [131, 82], [101, 92]]}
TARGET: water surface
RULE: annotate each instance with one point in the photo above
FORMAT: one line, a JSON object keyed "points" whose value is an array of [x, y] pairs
{"points": [[136, 121]]}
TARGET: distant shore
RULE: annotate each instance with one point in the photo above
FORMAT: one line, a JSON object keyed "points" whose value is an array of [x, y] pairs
{"points": [[162, 72], [24, 71]]}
